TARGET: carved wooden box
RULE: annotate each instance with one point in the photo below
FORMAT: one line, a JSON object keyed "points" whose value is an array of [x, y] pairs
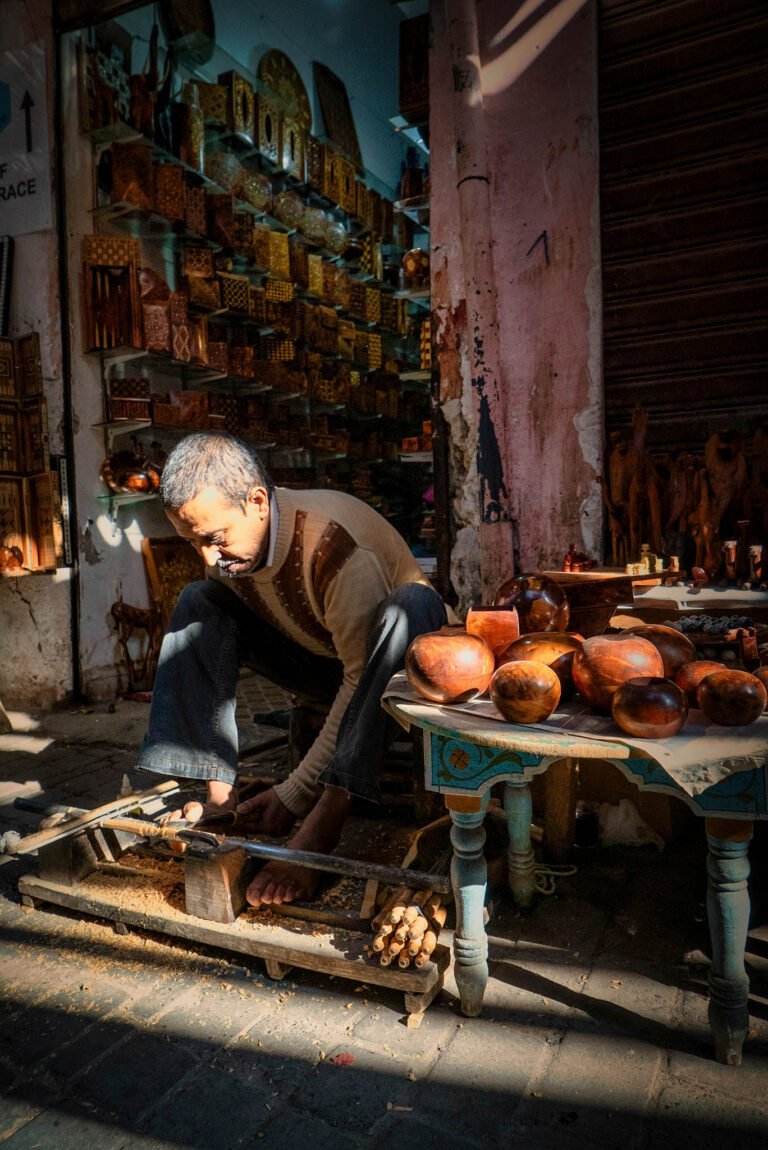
{"points": [[169, 191], [195, 217], [111, 293], [213, 103], [157, 325], [234, 292]]}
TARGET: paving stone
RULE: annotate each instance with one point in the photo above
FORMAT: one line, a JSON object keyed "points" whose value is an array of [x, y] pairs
{"points": [[186, 1119], [488, 1064], [285, 1131], [146, 1069], [598, 1084], [15, 1113], [44, 1029], [354, 1096], [699, 1119], [385, 1029], [212, 1015], [266, 1065], [55, 1129]]}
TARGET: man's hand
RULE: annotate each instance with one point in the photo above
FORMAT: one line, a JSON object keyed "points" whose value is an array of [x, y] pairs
{"points": [[266, 814]]}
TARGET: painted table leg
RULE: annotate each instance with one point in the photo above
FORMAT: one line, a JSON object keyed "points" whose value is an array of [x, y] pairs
{"points": [[469, 874], [728, 915], [521, 875]]}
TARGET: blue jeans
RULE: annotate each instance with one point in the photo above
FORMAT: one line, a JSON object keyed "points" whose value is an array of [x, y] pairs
{"points": [[192, 731]]}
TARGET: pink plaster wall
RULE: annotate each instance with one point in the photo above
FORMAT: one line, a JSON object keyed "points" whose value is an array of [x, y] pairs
{"points": [[537, 86]]}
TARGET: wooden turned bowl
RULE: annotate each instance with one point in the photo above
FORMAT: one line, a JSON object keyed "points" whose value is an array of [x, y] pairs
{"points": [[541, 603], [499, 626], [690, 675], [649, 707], [604, 662], [731, 698], [449, 666], [675, 648], [524, 691], [555, 648], [762, 674]]}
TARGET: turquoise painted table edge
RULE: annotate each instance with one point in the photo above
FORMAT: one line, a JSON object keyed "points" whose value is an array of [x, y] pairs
{"points": [[464, 757]]}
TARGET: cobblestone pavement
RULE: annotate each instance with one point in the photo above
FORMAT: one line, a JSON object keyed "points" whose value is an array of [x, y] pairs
{"points": [[594, 1032]]}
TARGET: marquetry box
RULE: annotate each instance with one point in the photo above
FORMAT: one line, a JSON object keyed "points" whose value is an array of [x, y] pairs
{"points": [[124, 407], [274, 347], [279, 291], [243, 234], [388, 312], [298, 254], [282, 317], [203, 293], [357, 298], [331, 173], [269, 124], [342, 287], [195, 213], [112, 316], [293, 148], [213, 103], [132, 175], [375, 351], [328, 334], [29, 367], [346, 186], [373, 305], [10, 438], [221, 219], [178, 304], [223, 412], [261, 245], [12, 496], [315, 163], [257, 304], [169, 191], [240, 115], [218, 355], [279, 255], [241, 361], [7, 369], [181, 342], [346, 342], [329, 282], [315, 275], [234, 292], [197, 261], [45, 541]]}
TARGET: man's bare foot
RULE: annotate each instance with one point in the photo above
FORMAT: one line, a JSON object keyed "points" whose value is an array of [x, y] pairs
{"points": [[222, 799], [279, 882]]}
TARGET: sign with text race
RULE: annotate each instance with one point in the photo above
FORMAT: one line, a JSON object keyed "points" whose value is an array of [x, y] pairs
{"points": [[25, 158]]}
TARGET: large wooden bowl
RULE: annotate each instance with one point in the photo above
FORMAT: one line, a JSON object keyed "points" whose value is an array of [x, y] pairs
{"points": [[732, 698], [762, 674], [649, 707], [449, 666], [524, 691], [541, 603], [499, 626], [690, 675], [604, 662], [555, 648], [675, 648]]}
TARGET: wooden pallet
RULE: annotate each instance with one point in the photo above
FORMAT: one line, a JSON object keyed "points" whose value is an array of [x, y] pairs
{"points": [[150, 896]]}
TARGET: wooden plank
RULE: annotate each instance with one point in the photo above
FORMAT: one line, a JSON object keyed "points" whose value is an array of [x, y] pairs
{"points": [[42, 838], [338, 952]]}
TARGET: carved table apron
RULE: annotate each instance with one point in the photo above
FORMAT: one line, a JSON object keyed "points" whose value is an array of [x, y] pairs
{"points": [[465, 753]]}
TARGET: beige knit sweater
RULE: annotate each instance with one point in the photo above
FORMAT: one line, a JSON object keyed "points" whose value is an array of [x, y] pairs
{"points": [[335, 560]]}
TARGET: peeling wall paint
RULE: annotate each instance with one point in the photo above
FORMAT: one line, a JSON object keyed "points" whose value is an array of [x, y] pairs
{"points": [[531, 411]]}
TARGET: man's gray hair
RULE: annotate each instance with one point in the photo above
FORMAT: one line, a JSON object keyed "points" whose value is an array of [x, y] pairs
{"points": [[211, 459]]}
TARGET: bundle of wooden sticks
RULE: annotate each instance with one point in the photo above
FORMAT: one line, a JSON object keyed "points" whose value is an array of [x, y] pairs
{"points": [[406, 927]]}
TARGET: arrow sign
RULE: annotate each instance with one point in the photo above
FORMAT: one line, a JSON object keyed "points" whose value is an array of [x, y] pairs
{"points": [[27, 104]]}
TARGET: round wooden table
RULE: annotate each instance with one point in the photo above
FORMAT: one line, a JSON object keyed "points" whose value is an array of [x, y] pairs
{"points": [[719, 772]]}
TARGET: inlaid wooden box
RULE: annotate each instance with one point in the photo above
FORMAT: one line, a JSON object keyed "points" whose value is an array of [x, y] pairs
{"points": [[315, 163], [293, 148], [257, 305], [218, 356], [10, 438], [213, 103], [29, 367], [35, 442], [178, 303], [204, 293], [181, 342], [112, 316], [45, 541], [346, 186], [269, 125], [261, 248], [221, 219], [12, 519], [373, 305], [197, 261], [240, 105], [332, 162], [234, 292], [7, 369], [132, 175], [241, 361], [315, 275], [169, 191], [195, 215], [298, 259], [279, 255]]}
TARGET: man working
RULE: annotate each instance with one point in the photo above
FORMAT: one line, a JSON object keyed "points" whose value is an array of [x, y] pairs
{"points": [[315, 591]]}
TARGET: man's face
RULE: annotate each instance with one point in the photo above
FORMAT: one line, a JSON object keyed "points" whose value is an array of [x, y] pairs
{"points": [[234, 539]]}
